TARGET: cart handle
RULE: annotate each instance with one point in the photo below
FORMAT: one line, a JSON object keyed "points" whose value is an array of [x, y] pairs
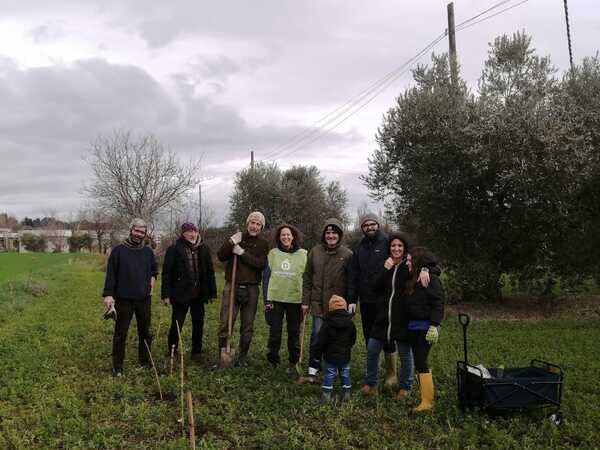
{"points": [[547, 366], [464, 320]]}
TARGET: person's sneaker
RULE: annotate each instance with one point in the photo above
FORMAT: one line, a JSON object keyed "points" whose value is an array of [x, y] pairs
{"points": [[325, 397], [346, 395], [117, 373]]}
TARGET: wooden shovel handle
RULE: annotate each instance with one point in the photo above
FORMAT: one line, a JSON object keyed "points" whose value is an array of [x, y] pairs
{"points": [[231, 300]]}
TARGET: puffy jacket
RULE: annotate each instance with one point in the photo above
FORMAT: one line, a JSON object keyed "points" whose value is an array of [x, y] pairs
{"points": [[427, 303], [392, 313], [177, 277], [336, 338], [326, 273], [368, 257]]}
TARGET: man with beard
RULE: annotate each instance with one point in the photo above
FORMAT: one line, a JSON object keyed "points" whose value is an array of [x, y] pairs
{"points": [[188, 282], [326, 274], [130, 275], [368, 259], [251, 250]]}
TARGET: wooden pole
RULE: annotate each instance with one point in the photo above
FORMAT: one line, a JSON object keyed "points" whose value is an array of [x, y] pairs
{"points": [[172, 359], [181, 417], [452, 46], [154, 369], [191, 423]]}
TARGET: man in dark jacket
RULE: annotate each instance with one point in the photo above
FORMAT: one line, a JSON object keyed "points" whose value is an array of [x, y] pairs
{"points": [[188, 282], [251, 250], [326, 274], [336, 338], [130, 275]]}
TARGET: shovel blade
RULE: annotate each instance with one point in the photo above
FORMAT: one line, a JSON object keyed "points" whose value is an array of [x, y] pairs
{"points": [[226, 358]]}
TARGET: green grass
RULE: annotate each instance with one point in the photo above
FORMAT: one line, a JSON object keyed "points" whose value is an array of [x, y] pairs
{"points": [[56, 391], [18, 264]]}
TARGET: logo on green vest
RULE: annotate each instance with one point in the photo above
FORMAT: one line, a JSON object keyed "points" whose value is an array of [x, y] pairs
{"points": [[285, 264]]}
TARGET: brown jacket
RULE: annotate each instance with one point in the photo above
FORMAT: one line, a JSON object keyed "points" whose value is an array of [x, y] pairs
{"points": [[250, 264], [326, 274]]}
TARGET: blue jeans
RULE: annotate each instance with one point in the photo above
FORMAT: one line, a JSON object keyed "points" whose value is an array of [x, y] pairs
{"points": [[406, 373], [330, 374], [314, 363]]}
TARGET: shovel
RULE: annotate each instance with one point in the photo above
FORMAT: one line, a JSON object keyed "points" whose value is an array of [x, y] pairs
{"points": [[302, 328], [227, 355]]}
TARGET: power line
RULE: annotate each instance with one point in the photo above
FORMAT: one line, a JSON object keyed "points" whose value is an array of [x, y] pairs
{"points": [[357, 104], [342, 113], [491, 16]]}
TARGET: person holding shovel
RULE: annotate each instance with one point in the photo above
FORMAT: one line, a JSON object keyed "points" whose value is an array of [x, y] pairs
{"points": [[248, 250], [130, 275], [282, 292], [188, 282]]}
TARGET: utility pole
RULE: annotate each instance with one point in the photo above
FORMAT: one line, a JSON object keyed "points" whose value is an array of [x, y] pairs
{"points": [[452, 47], [568, 35], [252, 159]]}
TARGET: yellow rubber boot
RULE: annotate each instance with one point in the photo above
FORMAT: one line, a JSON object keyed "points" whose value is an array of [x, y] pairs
{"points": [[391, 376], [427, 393]]}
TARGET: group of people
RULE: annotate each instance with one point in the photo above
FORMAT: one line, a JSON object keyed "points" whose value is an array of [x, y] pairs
{"points": [[396, 287]]}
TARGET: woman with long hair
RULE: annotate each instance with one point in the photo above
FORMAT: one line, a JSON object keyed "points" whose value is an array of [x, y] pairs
{"points": [[424, 311], [282, 292]]}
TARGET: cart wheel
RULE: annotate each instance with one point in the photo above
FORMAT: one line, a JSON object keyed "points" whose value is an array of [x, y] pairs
{"points": [[556, 418]]}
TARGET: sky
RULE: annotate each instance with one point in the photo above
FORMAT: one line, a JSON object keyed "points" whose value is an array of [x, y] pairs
{"points": [[214, 80]]}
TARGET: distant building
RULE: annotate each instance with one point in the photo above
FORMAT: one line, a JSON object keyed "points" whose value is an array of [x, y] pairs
{"points": [[9, 240]]}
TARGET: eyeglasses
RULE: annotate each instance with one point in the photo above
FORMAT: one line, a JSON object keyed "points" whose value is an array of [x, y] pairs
{"points": [[369, 225]]}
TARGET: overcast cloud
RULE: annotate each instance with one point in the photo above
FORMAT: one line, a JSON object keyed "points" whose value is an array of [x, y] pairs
{"points": [[216, 79]]}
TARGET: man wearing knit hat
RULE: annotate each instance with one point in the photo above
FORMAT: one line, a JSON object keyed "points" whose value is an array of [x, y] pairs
{"points": [[251, 250], [326, 274], [188, 282]]}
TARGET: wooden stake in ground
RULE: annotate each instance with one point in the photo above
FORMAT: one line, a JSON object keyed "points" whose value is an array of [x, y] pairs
{"points": [[181, 418], [191, 424], [172, 359], [302, 328], [154, 369]]}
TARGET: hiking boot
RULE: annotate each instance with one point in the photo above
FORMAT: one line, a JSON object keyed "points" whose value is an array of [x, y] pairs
{"points": [[117, 373], [242, 361], [368, 391], [401, 395]]}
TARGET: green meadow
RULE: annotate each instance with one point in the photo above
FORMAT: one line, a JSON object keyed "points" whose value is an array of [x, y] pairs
{"points": [[56, 389]]}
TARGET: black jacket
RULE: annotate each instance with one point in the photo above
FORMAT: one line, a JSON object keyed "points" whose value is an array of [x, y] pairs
{"points": [[128, 272], [336, 338], [177, 280], [392, 323], [391, 294], [367, 263], [427, 303]]}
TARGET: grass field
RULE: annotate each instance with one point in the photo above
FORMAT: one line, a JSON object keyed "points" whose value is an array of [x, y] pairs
{"points": [[56, 391]]}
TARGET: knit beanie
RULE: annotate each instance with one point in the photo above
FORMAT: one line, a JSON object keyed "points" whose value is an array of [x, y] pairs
{"points": [[257, 216], [188, 226], [369, 216], [337, 302]]}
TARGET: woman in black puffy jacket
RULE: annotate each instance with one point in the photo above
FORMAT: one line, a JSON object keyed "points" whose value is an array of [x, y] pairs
{"points": [[424, 308]]}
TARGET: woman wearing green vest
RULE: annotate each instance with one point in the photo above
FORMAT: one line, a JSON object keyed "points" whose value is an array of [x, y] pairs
{"points": [[282, 292]]}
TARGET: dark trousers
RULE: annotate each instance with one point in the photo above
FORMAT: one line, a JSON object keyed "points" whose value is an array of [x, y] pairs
{"points": [[247, 315], [368, 313], [420, 348], [367, 318], [125, 310], [178, 314], [293, 314]]}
